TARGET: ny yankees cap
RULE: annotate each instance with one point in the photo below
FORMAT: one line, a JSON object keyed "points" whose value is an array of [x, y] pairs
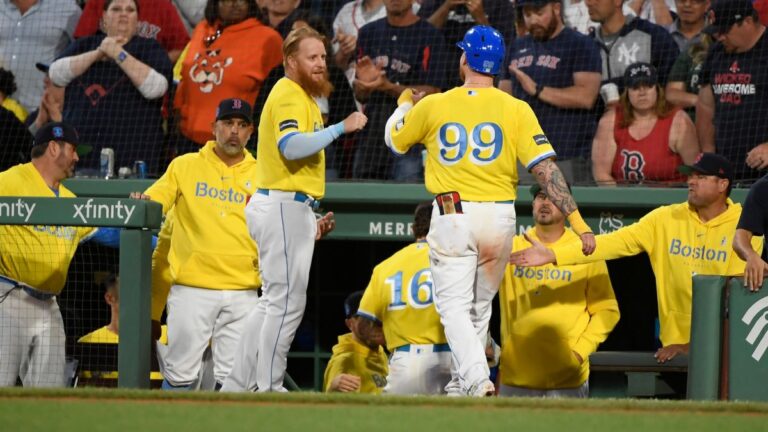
{"points": [[725, 13], [352, 303], [229, 108], [709, 164], [640, 73]]}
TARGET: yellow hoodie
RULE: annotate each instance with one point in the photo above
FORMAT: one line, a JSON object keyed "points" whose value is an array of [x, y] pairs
{"points": [[352, 357], [550, 312], [679, 245], [210, 245]]}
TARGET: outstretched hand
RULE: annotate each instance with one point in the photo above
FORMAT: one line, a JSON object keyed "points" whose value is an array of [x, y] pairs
{"points": [[536, 255], [325, 224], [588, 243]]}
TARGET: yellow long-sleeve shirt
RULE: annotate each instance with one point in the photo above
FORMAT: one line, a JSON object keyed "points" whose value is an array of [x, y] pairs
{"points": [[352, 357], [210, 244], [679, 245], [549, 312]]}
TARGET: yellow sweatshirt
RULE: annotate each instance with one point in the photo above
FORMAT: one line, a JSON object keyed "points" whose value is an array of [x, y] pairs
{"points": [[550, 312], [210, 244], [679, 245], [352, 357]]}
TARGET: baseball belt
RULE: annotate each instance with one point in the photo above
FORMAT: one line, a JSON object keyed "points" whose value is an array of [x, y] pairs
{"points": [[39, 295], [417, 348], [297, 196]]}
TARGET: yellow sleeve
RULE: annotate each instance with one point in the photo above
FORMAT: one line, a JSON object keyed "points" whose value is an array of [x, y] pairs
{"points": [[289, 116], [337, 365], [531, 143], [166, 189], [602, 308], [627, 241], [411, 129], [371, 303], [180, 64], [161, 268]]}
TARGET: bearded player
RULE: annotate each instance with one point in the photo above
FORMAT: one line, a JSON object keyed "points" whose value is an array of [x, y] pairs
{"points": [[471, 169], [290, 179]]}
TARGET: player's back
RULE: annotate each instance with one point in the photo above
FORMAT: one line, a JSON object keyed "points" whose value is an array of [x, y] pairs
{"points": [[474, 138]]}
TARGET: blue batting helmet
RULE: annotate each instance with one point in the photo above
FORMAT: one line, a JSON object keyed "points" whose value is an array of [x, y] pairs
{"points": [[484, 49]]}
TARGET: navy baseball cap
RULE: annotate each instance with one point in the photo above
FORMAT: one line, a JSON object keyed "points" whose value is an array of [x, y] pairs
{"points": [[640, 73], [59, 131], [709, 164], [536, 189], [352, 303], [725, 13], [229, 108], [42, 67]]}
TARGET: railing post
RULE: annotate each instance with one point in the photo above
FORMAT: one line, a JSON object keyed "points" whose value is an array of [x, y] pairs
{"points": [[706, 338]]}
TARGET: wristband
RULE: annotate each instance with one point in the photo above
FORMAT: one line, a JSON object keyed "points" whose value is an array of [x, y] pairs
{"points": [[578, 224], [538, 91], [121, 57]]}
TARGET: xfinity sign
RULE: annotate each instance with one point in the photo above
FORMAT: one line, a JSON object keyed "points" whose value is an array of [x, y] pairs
{"points": [[89, 211]]}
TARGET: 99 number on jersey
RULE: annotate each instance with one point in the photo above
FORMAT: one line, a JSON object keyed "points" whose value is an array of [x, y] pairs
{"points": [[418, 294], [485, 143]]}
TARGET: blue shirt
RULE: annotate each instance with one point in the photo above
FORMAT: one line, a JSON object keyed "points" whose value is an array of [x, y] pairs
{"points": [[552, 64]]}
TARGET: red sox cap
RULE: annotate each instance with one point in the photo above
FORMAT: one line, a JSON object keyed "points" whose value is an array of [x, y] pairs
{"points": [[709, 164], [352, 303], [229, 108]]}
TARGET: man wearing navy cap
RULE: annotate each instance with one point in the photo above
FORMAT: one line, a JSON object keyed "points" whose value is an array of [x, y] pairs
{"points": [[733, 98]]}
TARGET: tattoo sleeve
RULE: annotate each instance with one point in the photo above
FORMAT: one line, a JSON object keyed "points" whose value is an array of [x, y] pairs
{"points": [[551, 180]]}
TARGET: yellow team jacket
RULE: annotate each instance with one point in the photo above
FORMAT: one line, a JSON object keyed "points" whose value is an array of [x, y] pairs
{"points": [[679, 245], [352, 357], [106, 336], [547, 313], [210, 246], [38, 255]]}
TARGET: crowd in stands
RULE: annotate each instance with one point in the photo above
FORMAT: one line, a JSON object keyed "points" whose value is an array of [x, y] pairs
{"points": [[105, 66]]}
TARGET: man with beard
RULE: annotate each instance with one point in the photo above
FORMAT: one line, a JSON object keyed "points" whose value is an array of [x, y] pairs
{"points": [[290, 179], [733, 97], [552, 318], [680, 239], [395, 52], [557, 71]]}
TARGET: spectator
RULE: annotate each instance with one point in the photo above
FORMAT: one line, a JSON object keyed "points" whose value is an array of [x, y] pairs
{"points": [[346, 27], [281, 14], [684, 79], [454, 17], [753, 222], [395, 52], [51, 104], [680, 239], [14, 140], [333, 107], [158, 20], [7, 88], [556, 71], [358, 363], [644, 139], [32, 31], [733, 98], [112, 76], [656, 11], [552, 323], [576, 16], [625, 40], [191, 12], [218, 65], [687, 28]]}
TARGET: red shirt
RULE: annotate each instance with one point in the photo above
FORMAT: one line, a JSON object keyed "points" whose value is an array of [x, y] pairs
{"points": [[158, 19], [648, 158], [233, 64]]}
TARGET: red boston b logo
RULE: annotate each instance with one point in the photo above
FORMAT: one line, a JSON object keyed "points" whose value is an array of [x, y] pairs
{"points": [[237, 104]]}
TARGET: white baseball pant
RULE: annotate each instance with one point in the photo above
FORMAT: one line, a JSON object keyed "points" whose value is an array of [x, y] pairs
{"points": [[284, 230], [468, 255], [419, 370], [197, 317], [31, 339]]}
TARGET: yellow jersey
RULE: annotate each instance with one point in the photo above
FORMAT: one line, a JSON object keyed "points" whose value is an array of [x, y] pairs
{"points": [[353, 358], [161, 268], [210, 245], [679, 245], [547, 313], [289, 110], [106, 336], [37, 255], [399, 295], [16, 108], [473, 138]]}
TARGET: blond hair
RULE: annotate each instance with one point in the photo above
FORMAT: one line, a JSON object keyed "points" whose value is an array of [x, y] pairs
{"points": [[294, 38]]}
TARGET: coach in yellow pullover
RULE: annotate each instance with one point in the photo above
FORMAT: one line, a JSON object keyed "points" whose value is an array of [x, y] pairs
{"points": [[680, 239], [552, 317], [213, 261]]}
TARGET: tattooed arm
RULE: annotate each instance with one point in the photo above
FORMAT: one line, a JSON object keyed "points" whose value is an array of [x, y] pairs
{"points": [[552, 182]]}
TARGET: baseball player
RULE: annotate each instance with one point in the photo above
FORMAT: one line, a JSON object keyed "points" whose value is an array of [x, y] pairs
{"points": [[682, 239], [212, 260], [399, 296], [358, 363], [289, 181], [552, 318], [470, 168], [34, 265]]}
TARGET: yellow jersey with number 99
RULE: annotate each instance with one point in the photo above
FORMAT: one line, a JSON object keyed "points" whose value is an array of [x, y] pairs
{"points": [[474, 138], [400, 296], [289, 110]]}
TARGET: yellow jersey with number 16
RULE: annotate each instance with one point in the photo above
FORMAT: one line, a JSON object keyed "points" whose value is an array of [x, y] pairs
{"points": [[289, 110], [474, 138]]}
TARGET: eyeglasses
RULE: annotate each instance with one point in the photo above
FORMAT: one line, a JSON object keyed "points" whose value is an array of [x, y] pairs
{"points": [[212, 38]]}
